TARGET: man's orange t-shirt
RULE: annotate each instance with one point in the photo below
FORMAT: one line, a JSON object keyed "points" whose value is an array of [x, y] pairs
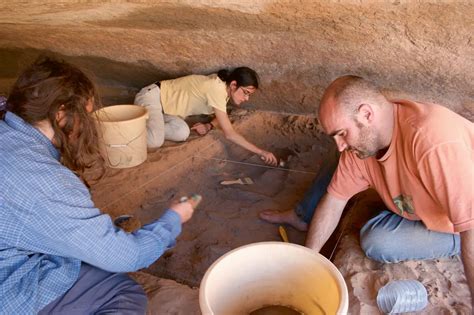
{"points": [[427, 172]]}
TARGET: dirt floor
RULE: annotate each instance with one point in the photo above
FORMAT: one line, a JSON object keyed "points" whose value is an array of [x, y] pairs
{"points": [[443, 279], [228, 215]]}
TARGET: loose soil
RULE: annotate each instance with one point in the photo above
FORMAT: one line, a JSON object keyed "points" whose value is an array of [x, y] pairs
{"points": [[228, 215]]}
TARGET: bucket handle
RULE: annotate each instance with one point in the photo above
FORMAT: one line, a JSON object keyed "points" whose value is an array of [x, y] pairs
{"points": [[125, 144]]}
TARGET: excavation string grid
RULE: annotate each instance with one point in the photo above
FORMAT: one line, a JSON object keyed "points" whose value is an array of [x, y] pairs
{"points": [[161, 175], [245, 180]]}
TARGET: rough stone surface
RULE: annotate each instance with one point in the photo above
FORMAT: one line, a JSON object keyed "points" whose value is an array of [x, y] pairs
{"points": [[418, 49]]}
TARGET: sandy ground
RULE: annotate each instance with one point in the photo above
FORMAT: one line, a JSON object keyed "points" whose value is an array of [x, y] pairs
{"points": [[228, 215], [443, 279]]}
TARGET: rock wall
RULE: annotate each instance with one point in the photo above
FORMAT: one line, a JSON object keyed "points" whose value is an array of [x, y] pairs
{"points": [[418, 49]]}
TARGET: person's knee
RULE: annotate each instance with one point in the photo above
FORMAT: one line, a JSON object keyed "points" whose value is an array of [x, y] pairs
{"points": [[130, 298], [377, 245], [176, 130], [182, 133], [154, 142], [137, 296]]}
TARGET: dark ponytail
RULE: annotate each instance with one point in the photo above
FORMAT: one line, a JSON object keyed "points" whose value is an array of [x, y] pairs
{"points": [[244, 76], [223, 74]]}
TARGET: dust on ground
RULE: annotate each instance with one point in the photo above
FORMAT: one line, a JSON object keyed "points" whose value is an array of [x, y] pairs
{"points": [[228, 215]]}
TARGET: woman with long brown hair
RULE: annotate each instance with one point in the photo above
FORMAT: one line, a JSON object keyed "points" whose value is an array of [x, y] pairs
{"points": [[59, 253]]}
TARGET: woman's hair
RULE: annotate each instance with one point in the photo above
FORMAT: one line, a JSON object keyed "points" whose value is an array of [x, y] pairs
{"points": [[244, 76], [49, 86]]}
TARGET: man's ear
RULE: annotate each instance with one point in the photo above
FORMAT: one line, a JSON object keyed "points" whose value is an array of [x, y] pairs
{"points": [[366, 113]]}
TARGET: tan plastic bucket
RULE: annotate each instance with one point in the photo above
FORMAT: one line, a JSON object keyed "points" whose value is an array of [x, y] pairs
{"points": [[273, 273], [122, 134]]}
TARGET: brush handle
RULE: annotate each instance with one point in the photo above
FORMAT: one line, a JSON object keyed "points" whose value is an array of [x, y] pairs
{"points": [[231, 182]]}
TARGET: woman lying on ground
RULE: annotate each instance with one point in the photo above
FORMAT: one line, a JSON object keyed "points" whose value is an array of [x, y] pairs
{"points": [[170, 101]]}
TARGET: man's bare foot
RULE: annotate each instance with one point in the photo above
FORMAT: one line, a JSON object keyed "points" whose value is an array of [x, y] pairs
{"points": [[284, 217]]}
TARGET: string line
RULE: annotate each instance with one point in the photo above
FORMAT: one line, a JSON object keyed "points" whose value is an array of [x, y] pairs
{"points": [[153, 178], [256, 165], [206, 158]]}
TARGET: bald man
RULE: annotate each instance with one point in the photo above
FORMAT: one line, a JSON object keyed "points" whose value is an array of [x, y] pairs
{"points": [[418, 157]]}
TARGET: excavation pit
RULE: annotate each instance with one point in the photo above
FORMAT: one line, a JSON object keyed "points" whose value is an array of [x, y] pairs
{"points": [[228, 215]]}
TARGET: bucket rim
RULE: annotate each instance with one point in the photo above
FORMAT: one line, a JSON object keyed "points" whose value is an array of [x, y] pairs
{"points": [[143, 115], [342, 285]]}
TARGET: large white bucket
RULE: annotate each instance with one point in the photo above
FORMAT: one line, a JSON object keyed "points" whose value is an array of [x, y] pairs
{"points": [[122, 134], [273, 273]]}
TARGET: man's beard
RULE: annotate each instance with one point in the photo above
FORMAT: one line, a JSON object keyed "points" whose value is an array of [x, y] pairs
{"points": [[366, 145]]}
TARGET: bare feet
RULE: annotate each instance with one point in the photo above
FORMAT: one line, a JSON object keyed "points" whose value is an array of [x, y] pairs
{"points": [[286, 217]]}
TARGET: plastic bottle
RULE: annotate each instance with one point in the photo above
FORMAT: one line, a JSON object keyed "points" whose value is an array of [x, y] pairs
{"points": [[402, 296]]}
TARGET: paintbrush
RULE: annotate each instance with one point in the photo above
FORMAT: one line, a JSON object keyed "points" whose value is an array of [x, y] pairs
{"points": [[194, 200], [239, 181]]}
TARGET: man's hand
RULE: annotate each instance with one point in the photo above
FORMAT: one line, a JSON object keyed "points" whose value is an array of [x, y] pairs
{"points": [[201, 128]]}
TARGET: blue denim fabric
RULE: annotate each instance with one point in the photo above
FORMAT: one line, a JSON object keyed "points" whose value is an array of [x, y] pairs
{"points": [[305, 209], [390, 238]]}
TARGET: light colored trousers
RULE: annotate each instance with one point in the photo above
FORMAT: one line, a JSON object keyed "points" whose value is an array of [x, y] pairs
{"points": [[160, 126]]}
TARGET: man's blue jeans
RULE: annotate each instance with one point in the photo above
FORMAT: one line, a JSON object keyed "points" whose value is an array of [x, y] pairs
{"points": [[387, 237]]}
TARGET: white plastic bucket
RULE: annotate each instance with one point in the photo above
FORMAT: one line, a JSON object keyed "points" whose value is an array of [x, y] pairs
{"points": [[273, 273], [122, 134]]}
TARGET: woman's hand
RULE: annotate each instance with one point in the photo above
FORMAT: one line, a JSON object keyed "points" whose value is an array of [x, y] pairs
{"points": [[268, 158], [185, 210], [230, 134], [201, 128]]}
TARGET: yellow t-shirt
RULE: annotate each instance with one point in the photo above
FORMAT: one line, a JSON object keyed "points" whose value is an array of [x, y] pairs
{"points": [[193, 95], [427, 173]]}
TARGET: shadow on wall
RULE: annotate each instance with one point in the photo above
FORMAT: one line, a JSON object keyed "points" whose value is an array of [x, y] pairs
{"points": [[118, 82]]}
